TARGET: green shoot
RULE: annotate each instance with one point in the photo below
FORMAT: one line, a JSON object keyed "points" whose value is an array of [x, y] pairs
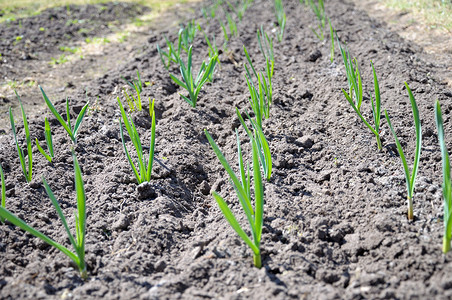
{"points": [[254, 216], [193, 86], [241, 8], [3, 192], [187, 34], [48, 136], [80, 222], [319, 11], [143, 174], [281, 18], [136, 84], [447, 184], [66, 124], [173, 55], [262, 143], [355, 94], [261, 97], [27, 172], [232, 25], [213, 53], [410, 178], [266, 46], [332, 32]]}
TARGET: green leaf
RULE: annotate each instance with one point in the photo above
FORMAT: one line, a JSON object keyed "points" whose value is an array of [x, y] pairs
{"points": [[6, 214], [236, 182], [233, 222], [57, 115], [258, 194], [42, 151]]}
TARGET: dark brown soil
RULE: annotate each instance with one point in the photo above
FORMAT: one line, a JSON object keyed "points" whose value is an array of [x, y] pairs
{"points": [[335, 214]]}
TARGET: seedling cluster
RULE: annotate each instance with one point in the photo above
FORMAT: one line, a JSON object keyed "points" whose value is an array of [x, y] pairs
{"points": [[248, 184]]}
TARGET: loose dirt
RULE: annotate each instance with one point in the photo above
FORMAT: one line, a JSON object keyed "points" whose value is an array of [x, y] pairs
{"points": [[335, 221]]}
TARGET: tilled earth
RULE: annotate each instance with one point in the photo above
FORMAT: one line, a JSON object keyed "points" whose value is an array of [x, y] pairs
{"points": [[335, 221]]}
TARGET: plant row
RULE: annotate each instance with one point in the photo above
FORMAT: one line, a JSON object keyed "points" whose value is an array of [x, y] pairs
{"points": [[249, 183]]}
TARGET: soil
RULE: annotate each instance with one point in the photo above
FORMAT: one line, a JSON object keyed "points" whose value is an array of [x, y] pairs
{"points": [[335, 222]]}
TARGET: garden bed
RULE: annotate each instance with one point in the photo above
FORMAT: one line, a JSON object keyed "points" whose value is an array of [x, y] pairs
{"points": [[335, 223]]}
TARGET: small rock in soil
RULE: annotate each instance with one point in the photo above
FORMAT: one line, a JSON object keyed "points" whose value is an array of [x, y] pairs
{"points": [[313, 56], [122, 223], [305, 141], [146, 191]]}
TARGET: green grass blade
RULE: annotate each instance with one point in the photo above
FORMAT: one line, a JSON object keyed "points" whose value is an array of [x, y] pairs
{"points": [[81, 213], [417, 124], [402, 156], [80, 119], [178, 82], [332, 41], [68, 116], [247, 130], [28, 140], [152, 145], [447, 185], [57, 115], [134, 169], [60, 212], [48, 137], [233, 221], [19, 149], [258, 194], [6, 214], [42, 151], [236, 182], [243, 176], [248, 58]]}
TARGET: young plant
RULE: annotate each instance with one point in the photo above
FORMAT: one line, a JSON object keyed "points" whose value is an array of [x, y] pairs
{"points": [[173, 55], [3, 192], [242, 189], [213, 53], [319, 11], [143, 174], [410, 177], [194, 85], [266, 46], [232, 25], [281, 18], [332, 32], [187, 35], [26, 171], [240, 9], [355, 94], [261, 97], [136, 84], [66, 124], [262, 144], [447, 184], [80, 222], [48, 136]]}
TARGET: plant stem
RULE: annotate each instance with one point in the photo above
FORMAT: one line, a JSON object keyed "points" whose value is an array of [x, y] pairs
{"points": [[257, 260], [83, 272], [378, 142], [446, 244], [410, 208]]}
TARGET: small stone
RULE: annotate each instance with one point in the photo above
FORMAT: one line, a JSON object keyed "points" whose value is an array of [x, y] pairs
{"points": [[205, 188], [122, 223], [160, 266], [305, 141], [145, 191], [313, 56]]}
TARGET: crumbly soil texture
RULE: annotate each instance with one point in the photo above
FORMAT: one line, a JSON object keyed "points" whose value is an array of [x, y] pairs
{"points": [[335, 213]]}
